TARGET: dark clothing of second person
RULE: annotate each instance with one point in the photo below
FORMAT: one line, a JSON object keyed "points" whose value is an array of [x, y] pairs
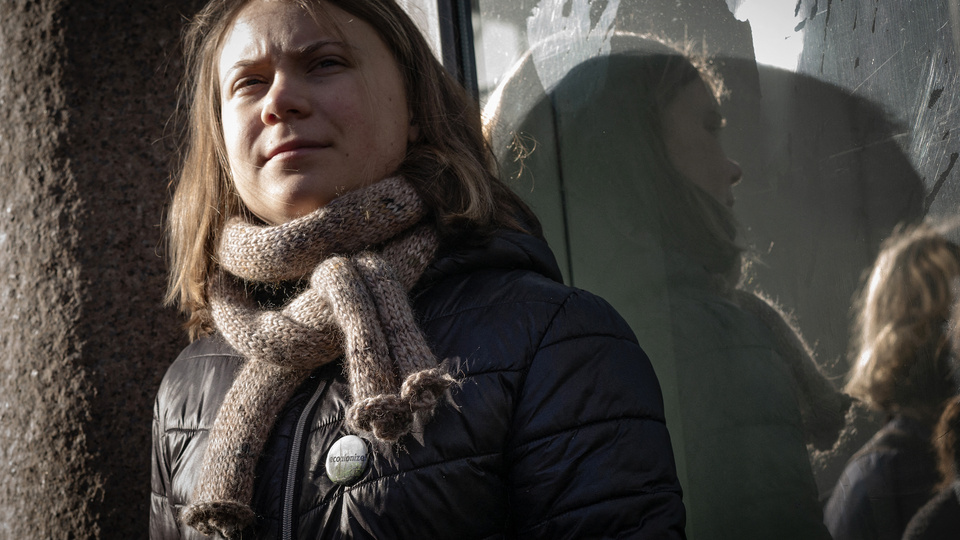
{"points": [[939, 519], [748, 471], [884, 484]]}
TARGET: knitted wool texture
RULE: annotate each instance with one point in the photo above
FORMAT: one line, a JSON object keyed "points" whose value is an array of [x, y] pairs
{"points": [[362, 252]]}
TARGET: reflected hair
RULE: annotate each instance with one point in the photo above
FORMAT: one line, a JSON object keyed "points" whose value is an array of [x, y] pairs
{"points": [[449, 163], [946, 440], [902, 345]]}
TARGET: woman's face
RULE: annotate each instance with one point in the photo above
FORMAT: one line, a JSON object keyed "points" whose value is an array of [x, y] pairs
{"points": [[308, 113], [691, 130]]}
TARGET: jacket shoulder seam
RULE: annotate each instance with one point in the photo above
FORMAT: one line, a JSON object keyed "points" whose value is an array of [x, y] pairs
{"points": [[568, 339], [526, 368], [593, 424]]}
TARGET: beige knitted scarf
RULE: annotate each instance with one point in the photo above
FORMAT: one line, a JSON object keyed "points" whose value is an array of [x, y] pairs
{"points": [[361, 253]]}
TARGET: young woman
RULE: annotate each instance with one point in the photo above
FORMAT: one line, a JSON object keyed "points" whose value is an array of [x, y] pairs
{"points": [[647, 193], [383, 347], [902, 369]]}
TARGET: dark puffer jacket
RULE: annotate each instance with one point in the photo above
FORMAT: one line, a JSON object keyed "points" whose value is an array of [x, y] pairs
{"points": [[556, 431]]}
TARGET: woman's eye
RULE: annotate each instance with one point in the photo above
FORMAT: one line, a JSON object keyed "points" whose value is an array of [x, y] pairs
{"points": [[328, 62], [246, 83]]}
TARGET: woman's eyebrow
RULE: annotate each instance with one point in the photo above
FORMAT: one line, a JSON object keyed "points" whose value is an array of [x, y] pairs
{"points": [[298, 53], [240, 64], [312, 48]]}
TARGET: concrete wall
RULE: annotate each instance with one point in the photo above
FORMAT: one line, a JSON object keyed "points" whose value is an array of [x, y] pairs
{"points": [[86, 92]]}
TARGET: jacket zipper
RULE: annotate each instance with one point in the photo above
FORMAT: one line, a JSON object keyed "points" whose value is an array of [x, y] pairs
{"points": [[294, 464]]}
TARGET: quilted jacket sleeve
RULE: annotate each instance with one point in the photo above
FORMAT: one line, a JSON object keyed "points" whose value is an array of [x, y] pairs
{"points": [[590, 450], [186, 405], [163, 522]]}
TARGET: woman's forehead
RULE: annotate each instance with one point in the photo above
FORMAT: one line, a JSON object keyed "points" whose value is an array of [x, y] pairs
{"points": [[267, 28], [273, 23]]}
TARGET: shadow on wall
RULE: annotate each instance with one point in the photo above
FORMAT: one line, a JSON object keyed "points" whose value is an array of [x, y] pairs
{"points": [[830, 181], [825, 180]]}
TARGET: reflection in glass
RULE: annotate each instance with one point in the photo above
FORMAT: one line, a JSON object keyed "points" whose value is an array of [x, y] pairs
{"points": [[644, 191], [842, 115]]}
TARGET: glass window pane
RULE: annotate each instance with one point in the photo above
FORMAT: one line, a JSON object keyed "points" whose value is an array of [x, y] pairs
{"points": [[841, 117]]}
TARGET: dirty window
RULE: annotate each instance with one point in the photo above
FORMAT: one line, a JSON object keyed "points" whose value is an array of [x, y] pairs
{"points": [[840, 115]]}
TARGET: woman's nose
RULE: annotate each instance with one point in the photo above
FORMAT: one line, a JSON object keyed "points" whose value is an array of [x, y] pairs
{"points": [[285, 100]]}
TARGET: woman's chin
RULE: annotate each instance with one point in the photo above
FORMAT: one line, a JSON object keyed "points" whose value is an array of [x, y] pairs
{"points": [[296, 200]]}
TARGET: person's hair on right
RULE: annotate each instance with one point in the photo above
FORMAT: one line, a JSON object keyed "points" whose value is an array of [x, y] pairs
{"points": [[946, 440], [902, 347]]}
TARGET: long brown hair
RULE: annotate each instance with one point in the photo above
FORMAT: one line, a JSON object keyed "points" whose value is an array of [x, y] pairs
{"points": [[902, 346], [449, 164]]}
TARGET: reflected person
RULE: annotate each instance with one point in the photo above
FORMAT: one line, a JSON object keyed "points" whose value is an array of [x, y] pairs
{"points": [[648, 197], [902, 369]]}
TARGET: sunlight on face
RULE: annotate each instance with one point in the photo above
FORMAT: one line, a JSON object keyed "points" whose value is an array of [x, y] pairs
{"points": [[310, 111]]}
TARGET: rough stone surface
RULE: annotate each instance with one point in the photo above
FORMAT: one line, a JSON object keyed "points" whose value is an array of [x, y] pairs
{"points": [[86, 92]]}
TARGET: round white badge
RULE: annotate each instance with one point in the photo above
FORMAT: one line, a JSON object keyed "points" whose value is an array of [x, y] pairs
{"points": [[347, 460]]}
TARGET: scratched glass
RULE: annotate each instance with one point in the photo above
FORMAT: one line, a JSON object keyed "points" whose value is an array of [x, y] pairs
{"points": [[841, 114]]}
